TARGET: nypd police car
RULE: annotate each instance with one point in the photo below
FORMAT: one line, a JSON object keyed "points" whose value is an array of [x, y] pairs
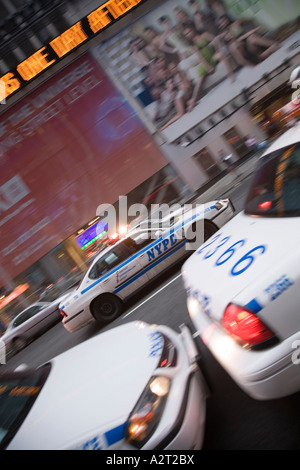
{"points": [[136, 386], [133, 261], [243, 284]]}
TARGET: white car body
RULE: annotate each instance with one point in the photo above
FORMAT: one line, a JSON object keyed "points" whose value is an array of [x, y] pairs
{"points": [[134, 270], [91, 390], [253, 262], [30, 323]]}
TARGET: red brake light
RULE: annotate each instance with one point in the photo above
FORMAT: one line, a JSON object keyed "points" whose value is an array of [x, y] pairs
{"points": [[265, 206], [63, 313], [245, 326]]}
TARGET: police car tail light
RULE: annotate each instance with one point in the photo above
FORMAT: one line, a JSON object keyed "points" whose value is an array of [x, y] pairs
{"points": [[168, 356], [245, 326], [146, 414], [63, 313]]}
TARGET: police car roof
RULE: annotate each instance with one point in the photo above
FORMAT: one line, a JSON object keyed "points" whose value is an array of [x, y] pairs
{"points": [[134, 234], [292, 136]]}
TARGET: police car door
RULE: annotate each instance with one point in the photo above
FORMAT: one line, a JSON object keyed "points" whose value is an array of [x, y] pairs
{"points": [[165, 251], [131, 274]]}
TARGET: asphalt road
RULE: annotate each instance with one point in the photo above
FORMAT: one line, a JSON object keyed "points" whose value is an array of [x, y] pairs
{"points": [[234, 421]]}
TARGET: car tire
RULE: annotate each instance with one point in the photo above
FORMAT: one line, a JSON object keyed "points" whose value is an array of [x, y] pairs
{"points": [[209, 229], [106, 308]]}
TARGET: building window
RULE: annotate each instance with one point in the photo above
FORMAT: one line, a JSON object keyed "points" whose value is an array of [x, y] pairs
{"points": [[236, 141], [207, 163]]}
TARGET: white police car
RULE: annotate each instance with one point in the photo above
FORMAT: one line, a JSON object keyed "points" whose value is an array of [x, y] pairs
{"points": [[135, 386], [120, 270], [243, 284]]}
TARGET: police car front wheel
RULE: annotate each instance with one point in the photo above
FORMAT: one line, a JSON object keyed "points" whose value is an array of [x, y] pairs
{"points": [[106, 308]]}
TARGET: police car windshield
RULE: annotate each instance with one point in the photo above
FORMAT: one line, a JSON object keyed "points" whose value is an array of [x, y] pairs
{"points": [[275, 188], [18, 392]]}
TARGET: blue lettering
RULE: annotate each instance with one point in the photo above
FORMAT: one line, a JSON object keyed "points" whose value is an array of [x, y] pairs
{"points": [[173, 239], [278, 287], [166, 242], [93, 444], [151, 254], [158, 248]]}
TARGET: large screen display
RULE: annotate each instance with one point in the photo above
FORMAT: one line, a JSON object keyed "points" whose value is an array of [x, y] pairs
{"points": [[72, 144], [93, 233], [173, 56], [99, 19]]}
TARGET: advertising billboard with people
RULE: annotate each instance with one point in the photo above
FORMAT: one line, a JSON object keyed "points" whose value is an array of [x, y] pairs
{"points": [[173, 56]]}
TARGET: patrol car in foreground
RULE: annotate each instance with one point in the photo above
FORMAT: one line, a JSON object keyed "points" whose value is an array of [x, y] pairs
{"points": [[243, 284], [120, 270], [135, 386]]}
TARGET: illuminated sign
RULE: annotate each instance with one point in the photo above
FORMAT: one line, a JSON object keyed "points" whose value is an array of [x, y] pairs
{"points": [[18, 291], [85, 29], [92, 234], [19, 391]]}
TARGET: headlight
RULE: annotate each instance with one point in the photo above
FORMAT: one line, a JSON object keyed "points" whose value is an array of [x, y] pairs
{"points": [[193, 306], [146, 415], [220, 204]]}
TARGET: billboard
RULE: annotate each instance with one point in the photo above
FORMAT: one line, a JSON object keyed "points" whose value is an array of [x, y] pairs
{"points": [[172, 57], [67, 147]]}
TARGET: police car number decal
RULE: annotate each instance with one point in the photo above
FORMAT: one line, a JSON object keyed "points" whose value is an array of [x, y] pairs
{"points": [[203, 299], [216, 250], [156, 344], [103, 441], [161, 247], [278, 287]]}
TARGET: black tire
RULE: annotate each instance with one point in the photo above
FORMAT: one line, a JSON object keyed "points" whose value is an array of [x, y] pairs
{"points": [[209, 229], [106, 308]]}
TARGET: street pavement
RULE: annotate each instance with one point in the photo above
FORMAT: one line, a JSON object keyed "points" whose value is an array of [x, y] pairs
{"points": [[229, 180]]}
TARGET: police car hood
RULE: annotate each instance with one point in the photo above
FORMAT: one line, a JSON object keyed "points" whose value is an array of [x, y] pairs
{"points": [[91, 390], [241, 261]]}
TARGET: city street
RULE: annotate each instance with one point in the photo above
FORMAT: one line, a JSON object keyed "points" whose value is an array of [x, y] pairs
{"points": [[130, 132], [234, 421]]}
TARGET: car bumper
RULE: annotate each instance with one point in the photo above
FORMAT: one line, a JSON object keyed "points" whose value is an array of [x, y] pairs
{"points": [[182, 426], [75, 321], [225, 214], [188, 429], [267, 374], [188, 418]]}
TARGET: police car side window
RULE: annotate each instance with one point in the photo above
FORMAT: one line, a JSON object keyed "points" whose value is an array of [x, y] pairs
{"points": [[117, 255], [135, 245], [98, 269]]}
